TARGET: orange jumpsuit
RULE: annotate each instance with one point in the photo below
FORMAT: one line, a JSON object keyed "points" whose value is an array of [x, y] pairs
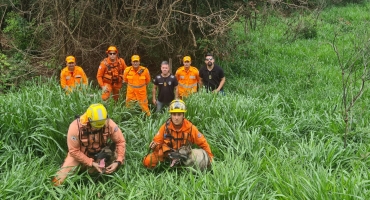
{"points": [[137, 80], [187, 133], [110, 75], [68, 80], [188, 80], [78, 151]]}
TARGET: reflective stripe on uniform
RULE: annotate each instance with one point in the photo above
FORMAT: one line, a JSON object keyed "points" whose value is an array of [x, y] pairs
{"points": [[188, 86], [136, 86]]}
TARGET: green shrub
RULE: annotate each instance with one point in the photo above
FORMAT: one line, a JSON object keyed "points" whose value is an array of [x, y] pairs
{"points": [[12, 72], [301, 28], [21, 32]]}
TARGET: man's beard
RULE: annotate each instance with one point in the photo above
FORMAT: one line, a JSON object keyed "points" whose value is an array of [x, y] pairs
{"points": [[209, 64]]}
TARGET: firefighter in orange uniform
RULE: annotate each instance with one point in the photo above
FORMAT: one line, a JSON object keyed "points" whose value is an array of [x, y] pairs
{"points": [[188, 78], [87, 135], [110, 74], [137, 78], [72, 75], [173, 134]]}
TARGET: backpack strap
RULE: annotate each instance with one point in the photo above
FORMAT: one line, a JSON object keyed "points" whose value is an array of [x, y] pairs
{"points": [[84, 134]]}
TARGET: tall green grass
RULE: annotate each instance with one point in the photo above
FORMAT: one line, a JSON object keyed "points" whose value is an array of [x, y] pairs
{"points": [[276, 134]]}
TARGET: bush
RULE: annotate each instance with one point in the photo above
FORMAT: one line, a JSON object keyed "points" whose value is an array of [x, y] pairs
{"points": [[302, 28], [12, 72], [21, 32]]}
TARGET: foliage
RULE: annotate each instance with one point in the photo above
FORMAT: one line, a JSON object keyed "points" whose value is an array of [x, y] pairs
{"points": [[156, 30], [21, 32], [302, 28], [13, 72], [276, 134]]}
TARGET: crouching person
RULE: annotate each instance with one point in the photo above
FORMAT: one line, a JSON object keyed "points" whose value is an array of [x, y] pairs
{"points": [[173, 134], [87, 136]]}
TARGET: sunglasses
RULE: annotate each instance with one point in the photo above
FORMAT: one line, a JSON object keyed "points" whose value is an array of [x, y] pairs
{"points": [[207, 59], [112, 53]]}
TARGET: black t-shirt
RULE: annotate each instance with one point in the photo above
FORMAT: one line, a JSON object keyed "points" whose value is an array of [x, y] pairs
{"points": [[211, 79], [166, 87]]}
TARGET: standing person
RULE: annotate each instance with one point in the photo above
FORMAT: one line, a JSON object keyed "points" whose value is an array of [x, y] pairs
{"points": [[72, 75], [188, 78], [137, 78], [212, 76], [87, 135], [173, 134], [167, 87], [110, 74]]}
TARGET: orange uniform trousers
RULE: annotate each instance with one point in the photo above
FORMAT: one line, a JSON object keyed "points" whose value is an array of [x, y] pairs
{"points": [[69, 166], [139, 95], [111, 88]]}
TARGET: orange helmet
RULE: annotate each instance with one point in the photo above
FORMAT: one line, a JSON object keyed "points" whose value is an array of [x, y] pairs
{"points": [[112, 48]]}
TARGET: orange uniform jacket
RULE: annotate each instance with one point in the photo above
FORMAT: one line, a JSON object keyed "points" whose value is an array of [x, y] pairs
{"points": [[136, 80], [69, 79], [113, 74], [188, 132], [76, 150], [188, 80]]}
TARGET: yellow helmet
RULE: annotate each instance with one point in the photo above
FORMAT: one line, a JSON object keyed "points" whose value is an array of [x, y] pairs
{"points": [[97, 115], [112, 48], [177, 106], [70, 59], [186, 59], [135, 58]]}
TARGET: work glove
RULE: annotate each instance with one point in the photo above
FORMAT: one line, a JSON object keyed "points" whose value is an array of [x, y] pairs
{"points": [[104, 89]]}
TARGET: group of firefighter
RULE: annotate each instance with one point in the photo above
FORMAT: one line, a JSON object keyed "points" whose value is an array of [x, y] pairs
{"points": [[113, 73], [89, 133]]}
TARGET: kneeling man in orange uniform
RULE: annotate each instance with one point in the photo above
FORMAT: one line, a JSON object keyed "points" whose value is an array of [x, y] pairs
{"points": [[173, 134], [86, 137]]}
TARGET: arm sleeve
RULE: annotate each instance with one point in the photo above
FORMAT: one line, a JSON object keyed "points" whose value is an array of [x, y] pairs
{"points": [[158, 138], [201, 141], [84, 77], [200, 74], [177, 74], [117, 137], [175, 82], [63, 82], [73, 143], [125, 74], [147, 76], [197, 75], [100, 74]]}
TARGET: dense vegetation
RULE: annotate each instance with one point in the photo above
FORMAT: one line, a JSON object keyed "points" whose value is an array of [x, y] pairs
{"points": [[277, 134]]}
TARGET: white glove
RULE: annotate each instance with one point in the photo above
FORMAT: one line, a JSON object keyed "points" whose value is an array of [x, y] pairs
{"points": [[104, 89]]}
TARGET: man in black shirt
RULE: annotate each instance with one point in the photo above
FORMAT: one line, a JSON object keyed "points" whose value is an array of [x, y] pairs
{"points": [[167, 87], [212, 76]]}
